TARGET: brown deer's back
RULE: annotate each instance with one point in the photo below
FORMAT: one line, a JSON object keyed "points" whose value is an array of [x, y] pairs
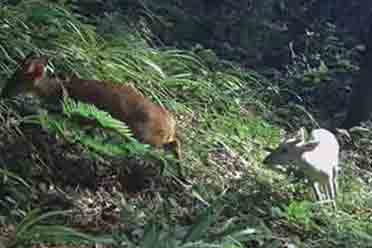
{"points": [[150, 123]]}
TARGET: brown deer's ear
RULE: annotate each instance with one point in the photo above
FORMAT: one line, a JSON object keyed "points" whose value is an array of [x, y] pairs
{"points": [[22, 61], [36, 68], [43, 60], [32, 56], [30, 67]]}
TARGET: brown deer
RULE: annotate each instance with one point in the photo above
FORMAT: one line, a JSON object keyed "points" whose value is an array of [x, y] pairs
{"points": [[150, 123]]}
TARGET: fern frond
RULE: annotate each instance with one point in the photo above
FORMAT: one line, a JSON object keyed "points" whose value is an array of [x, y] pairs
{"points": [[105, 120]]}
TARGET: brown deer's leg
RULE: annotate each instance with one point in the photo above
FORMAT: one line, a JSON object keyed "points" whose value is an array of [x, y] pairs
{"points": [[175, 148]]}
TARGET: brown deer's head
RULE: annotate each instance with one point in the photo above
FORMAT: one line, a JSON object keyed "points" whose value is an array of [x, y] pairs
{"points": [[30, 73]]}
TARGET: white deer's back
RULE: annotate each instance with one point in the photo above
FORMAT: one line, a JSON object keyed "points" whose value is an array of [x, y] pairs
{"points": [[325, 156]]}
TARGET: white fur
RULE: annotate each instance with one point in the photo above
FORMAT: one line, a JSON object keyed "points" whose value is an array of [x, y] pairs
{"points": [[318, 158]]}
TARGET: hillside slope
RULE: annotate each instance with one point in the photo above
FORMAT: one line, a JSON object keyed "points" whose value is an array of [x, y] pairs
{"points": [[110, 189]]}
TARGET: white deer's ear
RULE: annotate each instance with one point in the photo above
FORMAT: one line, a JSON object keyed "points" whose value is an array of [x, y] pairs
{"points": [[297, 138], [301, 133], [309, 146], [295, 141]]}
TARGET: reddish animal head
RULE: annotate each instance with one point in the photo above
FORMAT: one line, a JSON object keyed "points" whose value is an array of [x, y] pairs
{"points": [[29, 73]]}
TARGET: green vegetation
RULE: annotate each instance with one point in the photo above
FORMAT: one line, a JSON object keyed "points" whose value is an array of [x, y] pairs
{"points": [[65, 183]]}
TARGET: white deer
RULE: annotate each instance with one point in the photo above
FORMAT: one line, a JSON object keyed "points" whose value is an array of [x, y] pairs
{"points": [[317, 158]]}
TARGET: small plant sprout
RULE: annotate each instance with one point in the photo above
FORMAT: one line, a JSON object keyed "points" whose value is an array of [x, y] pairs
{"points": [[317, 158]]}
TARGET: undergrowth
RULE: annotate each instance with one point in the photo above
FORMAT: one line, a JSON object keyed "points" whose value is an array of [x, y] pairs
{"points": [[225, 119]]}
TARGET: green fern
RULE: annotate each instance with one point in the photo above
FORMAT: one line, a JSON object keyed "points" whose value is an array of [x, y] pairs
{"points": [[72, 132], [76, 108]]}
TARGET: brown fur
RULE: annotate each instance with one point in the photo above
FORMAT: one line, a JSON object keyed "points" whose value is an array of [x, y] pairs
{"points": [[150, 123]]}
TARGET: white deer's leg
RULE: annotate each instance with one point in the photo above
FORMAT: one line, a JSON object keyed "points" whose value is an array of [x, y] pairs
{"points": [[334, 183], [334, 180], [328, 191], [317, 191], [331, 188]]}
